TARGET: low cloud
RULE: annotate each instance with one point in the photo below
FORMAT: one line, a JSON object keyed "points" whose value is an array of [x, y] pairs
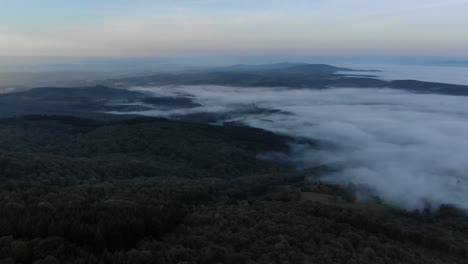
{"points": [[410, 149]]}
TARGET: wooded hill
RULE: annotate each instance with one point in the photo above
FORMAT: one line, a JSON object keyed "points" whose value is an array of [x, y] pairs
{"points": [[147, 190]]}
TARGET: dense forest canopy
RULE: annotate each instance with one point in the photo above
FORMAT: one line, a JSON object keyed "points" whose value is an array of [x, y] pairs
{"points": [[233, 132], [148, 190], [81, 186]]}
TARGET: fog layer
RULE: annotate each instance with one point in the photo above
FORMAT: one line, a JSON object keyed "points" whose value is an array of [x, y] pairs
{"points": [[409, 149]]}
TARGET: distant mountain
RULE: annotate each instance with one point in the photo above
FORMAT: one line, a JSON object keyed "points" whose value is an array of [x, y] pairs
{"points": [[260, 67], [430, 87], [295, 75], [284, 67], [285, 74], [312, 69]]}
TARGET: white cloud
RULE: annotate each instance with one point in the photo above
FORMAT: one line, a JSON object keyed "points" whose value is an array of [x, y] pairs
{"points": [[411, 149]]}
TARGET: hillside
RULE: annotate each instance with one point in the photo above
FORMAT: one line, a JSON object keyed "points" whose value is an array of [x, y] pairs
{"points": [[83, 100], [294, 75], [149, 190]]}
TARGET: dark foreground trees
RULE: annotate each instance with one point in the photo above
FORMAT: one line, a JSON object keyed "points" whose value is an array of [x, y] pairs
{"points": [[76, 190]]}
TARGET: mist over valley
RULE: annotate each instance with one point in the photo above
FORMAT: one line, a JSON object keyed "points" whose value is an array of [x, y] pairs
{"points": [[223, 164], [407, 148]]}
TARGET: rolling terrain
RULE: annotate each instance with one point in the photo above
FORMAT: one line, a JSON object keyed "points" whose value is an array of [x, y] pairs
{"points": [[94, 188], [190, 192], [294, 75], [78, 185]]}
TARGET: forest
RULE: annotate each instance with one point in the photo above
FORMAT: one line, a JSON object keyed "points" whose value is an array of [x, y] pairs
{"points": [[126, 189], [293, 75]]}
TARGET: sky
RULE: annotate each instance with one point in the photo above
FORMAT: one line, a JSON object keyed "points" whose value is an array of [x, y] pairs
{"points": [[177, 27]]}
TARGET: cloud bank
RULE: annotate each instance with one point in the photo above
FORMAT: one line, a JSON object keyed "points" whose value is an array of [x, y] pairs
{"points": [[410, 149]]}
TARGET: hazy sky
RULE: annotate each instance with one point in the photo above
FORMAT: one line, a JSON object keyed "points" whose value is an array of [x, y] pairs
{"points": [[168, 27]]}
